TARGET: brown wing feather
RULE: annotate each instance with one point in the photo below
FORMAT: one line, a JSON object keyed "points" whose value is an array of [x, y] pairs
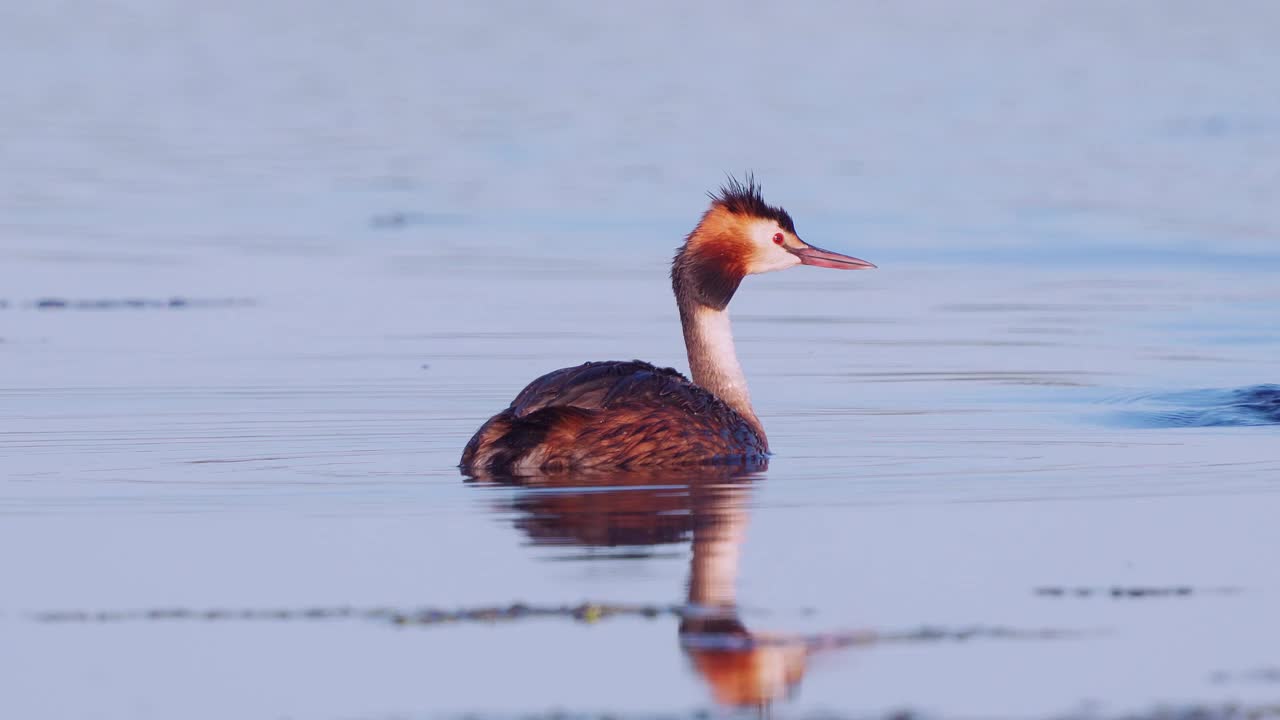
{"points": [[611, 414], [593, 385]]}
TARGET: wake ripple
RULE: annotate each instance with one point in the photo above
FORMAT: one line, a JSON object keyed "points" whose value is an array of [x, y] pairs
{"points": [[1247, 406]]}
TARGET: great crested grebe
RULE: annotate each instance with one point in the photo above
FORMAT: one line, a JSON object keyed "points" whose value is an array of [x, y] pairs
{"points": [[634, 414]]}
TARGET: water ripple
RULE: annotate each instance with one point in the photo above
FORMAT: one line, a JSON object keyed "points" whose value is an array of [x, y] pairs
{"points": [[1233, 407]]}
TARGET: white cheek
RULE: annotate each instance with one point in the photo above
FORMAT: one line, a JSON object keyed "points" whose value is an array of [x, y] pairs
{"points": [[776, 259], [769, 256]]}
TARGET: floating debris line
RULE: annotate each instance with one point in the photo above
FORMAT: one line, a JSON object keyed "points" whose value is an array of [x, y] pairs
{"points": [[1122, 592], [128, 303], [583, 612], [405, 218], [588, 613]]}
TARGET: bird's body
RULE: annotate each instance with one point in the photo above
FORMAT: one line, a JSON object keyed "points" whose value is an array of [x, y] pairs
{"points": [[632, 415], [625, 415]]}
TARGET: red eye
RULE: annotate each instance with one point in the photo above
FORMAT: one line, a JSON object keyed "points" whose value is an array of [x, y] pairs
{"points": [[778, 239]]}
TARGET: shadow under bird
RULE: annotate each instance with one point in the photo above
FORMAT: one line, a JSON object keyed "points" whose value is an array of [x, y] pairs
{"points": [[634, 414]]}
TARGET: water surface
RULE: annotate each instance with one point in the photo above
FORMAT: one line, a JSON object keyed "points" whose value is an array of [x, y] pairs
{"points": [[265, 270]]}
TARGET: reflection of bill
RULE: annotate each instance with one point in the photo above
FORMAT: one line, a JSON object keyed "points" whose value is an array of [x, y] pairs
{"points": [[707, 506]]}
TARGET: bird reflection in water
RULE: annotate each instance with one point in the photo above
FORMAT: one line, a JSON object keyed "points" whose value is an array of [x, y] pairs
{"points": [[628, 511]]}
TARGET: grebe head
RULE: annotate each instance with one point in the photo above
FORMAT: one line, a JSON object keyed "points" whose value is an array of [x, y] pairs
{"points": [[740, 235]]}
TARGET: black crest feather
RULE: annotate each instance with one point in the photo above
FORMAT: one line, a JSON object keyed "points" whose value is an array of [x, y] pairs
{"points": [[744, 198]]}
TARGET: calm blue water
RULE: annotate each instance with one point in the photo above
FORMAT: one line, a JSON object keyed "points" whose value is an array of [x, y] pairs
{"points": [[264, 269]]}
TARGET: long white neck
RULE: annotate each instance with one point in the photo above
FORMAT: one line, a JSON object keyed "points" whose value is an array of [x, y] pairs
{"points": [[708, 338]]}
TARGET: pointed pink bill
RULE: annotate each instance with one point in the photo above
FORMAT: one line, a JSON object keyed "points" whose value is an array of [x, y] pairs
{"points": [[816, 256]]}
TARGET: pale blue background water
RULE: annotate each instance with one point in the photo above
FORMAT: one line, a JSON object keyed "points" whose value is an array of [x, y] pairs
{"points": [[1074, 206]]}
